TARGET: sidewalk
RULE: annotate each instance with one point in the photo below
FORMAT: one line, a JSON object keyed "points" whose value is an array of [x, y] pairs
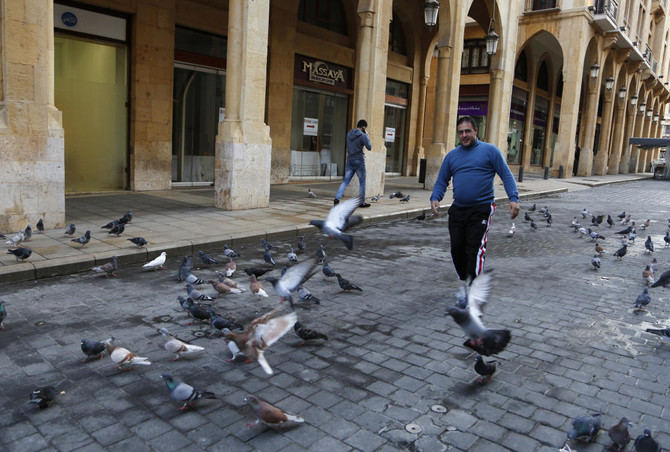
{"points": [[183, 221]]}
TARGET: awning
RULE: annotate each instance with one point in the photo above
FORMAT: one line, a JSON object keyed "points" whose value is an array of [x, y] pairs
{"points": [[650, 143]]}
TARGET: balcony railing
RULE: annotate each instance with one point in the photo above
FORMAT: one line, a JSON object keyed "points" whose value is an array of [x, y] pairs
{"points": [[647, 53], [654, 66], [609, 7], [538, 5]]}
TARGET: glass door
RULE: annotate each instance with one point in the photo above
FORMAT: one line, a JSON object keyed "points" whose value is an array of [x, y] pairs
{"points": [[198, 107], [394, 137]]}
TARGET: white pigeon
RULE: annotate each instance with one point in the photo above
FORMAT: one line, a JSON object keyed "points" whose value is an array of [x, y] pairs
{"points": [[14, 241], [156, 263], [510, 233], [582, 232], [310, 193], [123, 357], [177, 347]]}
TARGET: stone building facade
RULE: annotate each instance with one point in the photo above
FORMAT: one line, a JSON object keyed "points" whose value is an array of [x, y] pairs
{"points": [[101, 95]]}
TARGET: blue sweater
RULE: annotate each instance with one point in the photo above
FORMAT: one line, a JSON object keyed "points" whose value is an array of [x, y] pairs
{"points": [[473, 169], [356, 141]]}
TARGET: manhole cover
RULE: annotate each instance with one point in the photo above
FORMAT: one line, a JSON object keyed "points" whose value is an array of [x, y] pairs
{"points": [[199, 333], [413, 428], [438, 409]]}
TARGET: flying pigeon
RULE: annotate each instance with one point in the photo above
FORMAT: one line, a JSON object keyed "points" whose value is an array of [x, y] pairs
{"points": [[621, 252], [18, 238], [109, 268], [139, 241], [267, 257], [585, 427], [301, 244], [270, 415], [292, 257], [484, 341], [184, 268], [220, 324], [307, 334], [483, 368], [181, 392], [645, 443], [21, 253], [71, 230], [346, 285], [223, 288], [396, 194], [292, 279], [405, 199], [195, 294], [206, 258], [40, 225], [310, 193], [256, 287], [230, 268], [177, 347], [642, 300], [663, 332], [93, 348], [663, 280], [118, 229], [340, 219], [648, 275], [3, 315], [27, 233], [260, 334], [327, 271], [306, 296], [43, 397], [320, 254], [229, 252], [619, 435], [123, 357], [595, 261], [157, 263], [257, 272], [648, 245], [84, 239], [610, 222]]}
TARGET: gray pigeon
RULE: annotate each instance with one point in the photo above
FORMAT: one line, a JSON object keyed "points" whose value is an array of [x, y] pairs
{"points": [[645, 443], [595, 261], [195, 294], [40, 225], [648, 245], [320, 254], [663, 332], [306, 296], [346, 285], [109, 268], [27, 233], [21, 253], [301, 244], [619, 435], [405, 199], [229, 252], [327, 271], [585, 427], [93, 348], [340, 219], [118, 229], [267, 257], [267, 245], [184, 269], [192, 279], [181, 392], [484, 368], [307, 334], [206, 258], [292, 257], [663, 280], [642, 300], [292, 279], [84, 239], [139, 241], [71, 230], [666, 238]]}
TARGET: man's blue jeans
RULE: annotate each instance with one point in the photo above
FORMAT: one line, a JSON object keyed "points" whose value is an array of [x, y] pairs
{"points": [[353, 166]]}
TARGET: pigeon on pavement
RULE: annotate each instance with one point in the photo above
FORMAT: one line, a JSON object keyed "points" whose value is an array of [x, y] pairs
{"points": [[139, 241], [585, 427], [346, 285], [510, 233], [195, 310], [621, 252], [648, 245], [267, 245], [229, 252], [3, 315], [396, 194], [619, 435], [484, 368], [93, 348], [599, 249], [642, 300], [177, 347], [44, 397], [307, 334], [27, 233], [663, 280], [648, 275], [182, 392], [306, 296], [18, 238], [533, 226], [184, 269], [292, 279], [663, 332], [118, 229], [270, 415], [526, 217], [666, 238], [109, 268], [261, 333], [206, 258], [310, 193], [40, 225], [195, 294], [256, 271], [327, 271], [340, 219], [595, 261], [157, 263], [230, 268], [71, 230], [645, 224], [110, 225], [484, 341], [301, 244], [267, 257], [320, 254], [376, 198], [123, 357], [223, 288], [610, 222], [84, 239], [256, 287], [20, 253], [220, 324], [292, 257], [405, 199], [645, 443]]}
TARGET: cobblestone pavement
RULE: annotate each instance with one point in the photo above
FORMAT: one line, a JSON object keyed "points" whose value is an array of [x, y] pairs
{"points": [[577, 347]]}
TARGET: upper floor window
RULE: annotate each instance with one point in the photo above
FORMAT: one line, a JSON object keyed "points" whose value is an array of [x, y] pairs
{"points": [[521, 68], [327, 14], [543, 77], [543, 4], [475, 60], [397, 37]]}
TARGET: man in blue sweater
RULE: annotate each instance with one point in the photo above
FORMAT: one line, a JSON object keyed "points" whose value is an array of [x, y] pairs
{"points": [[357, 139], [472, 166]]}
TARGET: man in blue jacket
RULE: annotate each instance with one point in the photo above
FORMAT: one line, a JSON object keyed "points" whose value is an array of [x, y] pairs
{"points": [[357, 139], [472, 166]]}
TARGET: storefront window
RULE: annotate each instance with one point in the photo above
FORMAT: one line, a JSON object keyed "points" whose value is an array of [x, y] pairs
{"points": [[318, 133], [539, 130], [515, 131], [554, 132]]}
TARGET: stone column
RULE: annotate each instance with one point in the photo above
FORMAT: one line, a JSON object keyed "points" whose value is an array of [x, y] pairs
{"points": [[243, 145], [370, 89], [528, 127], [32, 152], [546, 156], [450, 49], [591, 115], [499, 98], [624, 163], [419, 151], [642, 155], [600, 168], [617, 136]]}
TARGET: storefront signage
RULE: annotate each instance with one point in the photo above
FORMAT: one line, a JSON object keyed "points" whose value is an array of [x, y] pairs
{"points": [[540, 118], [472, 108], [517, 111], [322, 72], [389, 135], [311, 127], [69, 19]]}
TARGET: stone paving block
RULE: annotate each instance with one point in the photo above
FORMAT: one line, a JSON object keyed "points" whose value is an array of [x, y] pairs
{"points": [[132, 444], [30, 442], [111, 434], [170, 441], [330, 444], [269, 441], [460, 440], [324, 399], [151, 428], [364, 440]]}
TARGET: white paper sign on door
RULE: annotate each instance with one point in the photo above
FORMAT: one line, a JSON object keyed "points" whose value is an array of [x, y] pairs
{"points": [[389, 135], [311, 127]]}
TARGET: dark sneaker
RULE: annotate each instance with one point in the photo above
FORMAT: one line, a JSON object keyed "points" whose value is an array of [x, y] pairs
{"points": [[336, 201], [365, 204]]}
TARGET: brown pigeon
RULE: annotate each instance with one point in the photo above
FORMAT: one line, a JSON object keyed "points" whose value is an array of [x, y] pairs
{"points": [[223, 288], [270, 415], [256, 287], [619, 435]]}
